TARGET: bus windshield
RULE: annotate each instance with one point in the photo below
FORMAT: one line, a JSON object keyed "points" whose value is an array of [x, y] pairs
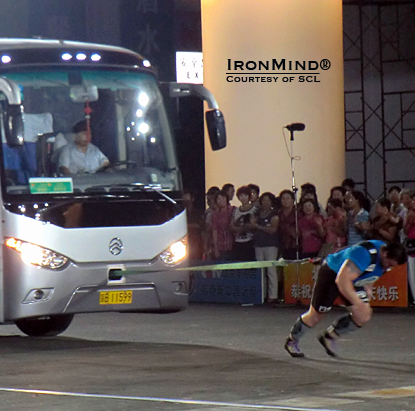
{"points": [[89, 131]]}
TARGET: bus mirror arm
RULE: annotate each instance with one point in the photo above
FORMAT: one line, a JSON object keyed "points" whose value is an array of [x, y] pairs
{"points": [[214, 118], [11, 90], [13, 113], [178, 90]]}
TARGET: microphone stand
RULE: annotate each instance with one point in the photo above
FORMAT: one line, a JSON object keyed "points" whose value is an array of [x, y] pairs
{"points": [[295, 189]]}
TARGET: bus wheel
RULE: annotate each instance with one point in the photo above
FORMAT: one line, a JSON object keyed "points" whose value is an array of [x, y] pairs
{"points": [[47, 326]]}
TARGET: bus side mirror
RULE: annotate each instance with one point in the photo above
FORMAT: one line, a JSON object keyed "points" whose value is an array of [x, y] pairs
{"points": [[13, 125], [216, 128]]}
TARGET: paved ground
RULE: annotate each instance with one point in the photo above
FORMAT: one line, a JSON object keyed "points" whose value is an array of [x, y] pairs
{"points": [[209, 357]]}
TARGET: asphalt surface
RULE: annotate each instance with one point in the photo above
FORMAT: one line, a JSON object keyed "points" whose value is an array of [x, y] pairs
{"points": [[209, 357]]}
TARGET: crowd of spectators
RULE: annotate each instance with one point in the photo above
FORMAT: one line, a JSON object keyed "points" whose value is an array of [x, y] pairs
{"points": [[268, 227]]}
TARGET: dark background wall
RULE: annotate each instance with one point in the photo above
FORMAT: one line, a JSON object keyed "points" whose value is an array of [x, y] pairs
{"points": [[379, 38], [379, 68]]}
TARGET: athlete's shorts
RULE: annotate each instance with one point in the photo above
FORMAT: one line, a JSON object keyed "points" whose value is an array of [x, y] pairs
{"points": [[325, 290]]}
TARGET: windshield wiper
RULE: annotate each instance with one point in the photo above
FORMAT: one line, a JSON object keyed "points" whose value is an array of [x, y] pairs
{"points": [[156, 188]]}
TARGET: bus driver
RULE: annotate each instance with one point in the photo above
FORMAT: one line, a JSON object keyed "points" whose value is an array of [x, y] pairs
{"points": [[81, 156]]}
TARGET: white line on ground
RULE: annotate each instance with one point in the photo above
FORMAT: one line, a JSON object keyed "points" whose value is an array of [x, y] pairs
{"points": [[154, 399]]}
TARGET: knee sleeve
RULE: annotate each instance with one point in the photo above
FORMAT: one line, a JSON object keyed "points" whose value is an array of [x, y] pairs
{"points": [[298, 329], [343, 325]]}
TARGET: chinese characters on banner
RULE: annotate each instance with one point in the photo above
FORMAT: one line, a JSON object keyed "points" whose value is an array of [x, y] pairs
{"points": [[298, 283], [391, 290]]}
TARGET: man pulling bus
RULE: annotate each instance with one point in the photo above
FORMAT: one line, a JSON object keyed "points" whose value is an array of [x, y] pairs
{"points": [[348, 274]]}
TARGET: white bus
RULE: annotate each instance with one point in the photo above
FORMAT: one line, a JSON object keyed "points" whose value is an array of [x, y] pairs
{"points": [[69, 240]]}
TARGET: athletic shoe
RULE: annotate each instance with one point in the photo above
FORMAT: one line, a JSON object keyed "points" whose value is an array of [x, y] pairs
{"points": [[328, 343], [292, 348]]}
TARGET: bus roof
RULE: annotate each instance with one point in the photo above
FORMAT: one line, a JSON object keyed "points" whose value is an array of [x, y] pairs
{"points": [[30, 52]]}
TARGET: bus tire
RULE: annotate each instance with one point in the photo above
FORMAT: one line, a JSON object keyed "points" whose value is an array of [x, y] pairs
{"points": [[47, 326]]}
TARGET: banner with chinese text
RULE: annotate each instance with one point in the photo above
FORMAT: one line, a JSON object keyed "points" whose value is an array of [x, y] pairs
{"points": [[227, 286]]}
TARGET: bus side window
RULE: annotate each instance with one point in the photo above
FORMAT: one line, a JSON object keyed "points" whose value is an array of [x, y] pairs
{"points": [[22, 161]]}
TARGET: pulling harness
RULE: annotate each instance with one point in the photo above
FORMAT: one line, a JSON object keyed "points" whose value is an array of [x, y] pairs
{"points": [[365, 244], [373, 255]]}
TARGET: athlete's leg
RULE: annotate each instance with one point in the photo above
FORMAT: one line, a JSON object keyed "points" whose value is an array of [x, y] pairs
{"points": [[324, 293], [291, 343], [312, 317], [352, 321], [299, 328]]}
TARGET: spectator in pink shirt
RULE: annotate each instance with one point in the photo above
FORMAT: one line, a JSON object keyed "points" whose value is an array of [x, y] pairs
{"points": [[221, 231], [207, 223], [312, 232], [287, 226], [336, 227]]}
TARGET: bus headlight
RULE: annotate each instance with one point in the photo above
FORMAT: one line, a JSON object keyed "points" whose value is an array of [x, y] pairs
{"points": [[175, 253], [35, 255]]}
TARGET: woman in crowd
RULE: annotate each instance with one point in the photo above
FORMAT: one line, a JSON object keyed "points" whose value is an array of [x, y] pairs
{"points": [[409, 230], [229, 189], [335, 226], [394, 196], [287, 226], [240, 226], [337, 192], [312, 232], [308, 192], [265, 226], [207, 223], [254, 198], [384, 225], [356, 216], [221, 227], [406, 200]]}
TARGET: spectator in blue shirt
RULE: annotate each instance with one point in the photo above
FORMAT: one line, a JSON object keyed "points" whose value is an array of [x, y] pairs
{"points": [[356, 217]]}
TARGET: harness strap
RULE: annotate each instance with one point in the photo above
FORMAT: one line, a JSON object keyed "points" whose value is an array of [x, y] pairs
{"points": [[373, 255]]}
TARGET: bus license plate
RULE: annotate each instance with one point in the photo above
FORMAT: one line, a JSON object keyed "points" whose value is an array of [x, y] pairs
{"points": [[116, 297]]}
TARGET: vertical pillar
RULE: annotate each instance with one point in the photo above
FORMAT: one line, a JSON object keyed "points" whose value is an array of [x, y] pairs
{"points": [[256, 107]]}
